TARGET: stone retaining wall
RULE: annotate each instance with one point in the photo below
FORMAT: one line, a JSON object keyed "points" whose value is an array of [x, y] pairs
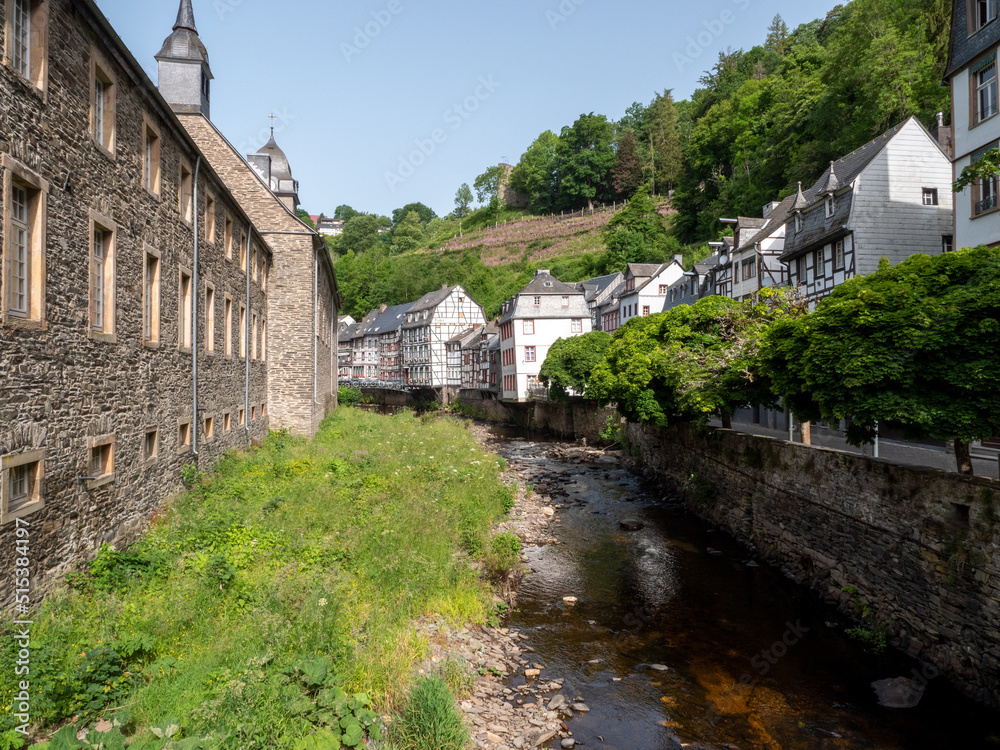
{"points": [[575, 420], [921, 547]]}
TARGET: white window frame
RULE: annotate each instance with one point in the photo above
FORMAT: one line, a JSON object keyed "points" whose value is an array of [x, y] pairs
{"points": [[11, 464]]}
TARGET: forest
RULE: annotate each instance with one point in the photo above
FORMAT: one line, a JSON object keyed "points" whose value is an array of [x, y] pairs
{"points": [[761, 120]]}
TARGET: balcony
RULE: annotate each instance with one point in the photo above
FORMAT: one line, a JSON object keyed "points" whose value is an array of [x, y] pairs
{"points": [[987, 204]]}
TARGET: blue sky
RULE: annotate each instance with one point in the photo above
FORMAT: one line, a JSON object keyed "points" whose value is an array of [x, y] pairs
{"points": [[384, 102]]}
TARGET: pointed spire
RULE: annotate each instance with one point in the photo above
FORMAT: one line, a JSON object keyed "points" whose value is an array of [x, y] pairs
{"points": [[832, 183], [185, 17], [800, 200]]}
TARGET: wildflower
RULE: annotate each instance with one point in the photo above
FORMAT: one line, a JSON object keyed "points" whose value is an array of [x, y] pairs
{"points": [[322, 602]]}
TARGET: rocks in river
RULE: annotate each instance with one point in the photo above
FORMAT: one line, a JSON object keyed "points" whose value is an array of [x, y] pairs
{"points": [[899, 692], [581, 708], [659, 667], [548, 511], [570, 600], [569, 742], [558, 702], [630, 524], [542, 737]]}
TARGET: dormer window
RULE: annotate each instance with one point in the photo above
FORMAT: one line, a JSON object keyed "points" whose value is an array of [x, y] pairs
{"points": [[798, 223], [548, 284], [982, 12], [829, 206]]}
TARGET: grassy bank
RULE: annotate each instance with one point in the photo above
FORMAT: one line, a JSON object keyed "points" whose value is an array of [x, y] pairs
{"points": [[266, 599]]}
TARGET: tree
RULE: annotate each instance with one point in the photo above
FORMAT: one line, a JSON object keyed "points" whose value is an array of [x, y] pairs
{"points": [[661, 120], [488, 186], [627, 173], [360, 233], [571, 361], [536, 174], [631, 232], [425, 213], [345, 213], [305, 218], [777, 36], [408, 233], [914, 345], [691, 363], [585, 160], [463, 201]]}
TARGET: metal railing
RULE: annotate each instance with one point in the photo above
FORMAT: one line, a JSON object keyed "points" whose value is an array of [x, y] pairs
{"points": [[987, 204]]}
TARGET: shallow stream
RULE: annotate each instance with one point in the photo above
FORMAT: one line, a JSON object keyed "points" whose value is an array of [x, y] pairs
{"points": [[680, 638]]}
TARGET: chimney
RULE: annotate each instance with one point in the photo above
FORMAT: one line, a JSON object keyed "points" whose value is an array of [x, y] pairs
{"points": [[945, 136], [679, 259], [540, 271], [769, 208], [443, 287]]}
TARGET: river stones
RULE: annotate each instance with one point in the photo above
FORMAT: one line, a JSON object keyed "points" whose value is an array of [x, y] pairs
{"points": [[898, 693], [630, 524]]}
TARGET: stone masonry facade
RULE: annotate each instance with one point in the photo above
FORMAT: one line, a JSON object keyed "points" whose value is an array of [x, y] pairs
{"points": [[99, 288], [921, 547]]}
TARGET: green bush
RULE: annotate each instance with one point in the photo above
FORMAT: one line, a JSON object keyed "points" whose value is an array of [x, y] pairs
{"points": [[431, 721], [504, 555], [350, 396]]}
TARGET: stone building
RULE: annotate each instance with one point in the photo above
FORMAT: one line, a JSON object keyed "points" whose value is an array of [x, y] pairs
{"points": [[144, 297], [303, 297]]}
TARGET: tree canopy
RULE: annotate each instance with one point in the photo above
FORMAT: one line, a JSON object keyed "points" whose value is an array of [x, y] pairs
{"points": [[571, 361], [914, 344]]}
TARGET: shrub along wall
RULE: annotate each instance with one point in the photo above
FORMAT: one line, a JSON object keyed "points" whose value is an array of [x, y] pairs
{"points": [[920, 547]]}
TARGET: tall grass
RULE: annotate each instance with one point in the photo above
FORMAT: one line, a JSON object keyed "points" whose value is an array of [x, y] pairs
{"points": [[299, 550]]}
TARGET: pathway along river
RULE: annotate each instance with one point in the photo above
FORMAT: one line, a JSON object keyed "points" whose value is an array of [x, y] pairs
{"points": [[751, 659]]}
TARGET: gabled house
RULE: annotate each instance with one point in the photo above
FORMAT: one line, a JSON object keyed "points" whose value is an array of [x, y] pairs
{"points": [[890, 198], [541, 313], [646, 288], [364, 353], [387, 332], [700, 281], [597, 291], [754, 259], [430, 323], [972, 75], [345, 335]]}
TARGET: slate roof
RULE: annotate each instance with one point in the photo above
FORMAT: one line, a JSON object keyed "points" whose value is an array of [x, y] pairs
{"points": [[390, 320], [184, 42], [639, 270], [432, 299], [964, 49], [546, 283], [778, 216], [592, 288], [817, 228]]}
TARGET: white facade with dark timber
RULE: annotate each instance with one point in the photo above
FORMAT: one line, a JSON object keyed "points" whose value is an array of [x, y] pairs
{"points": [[434, 320], [891, 199]]}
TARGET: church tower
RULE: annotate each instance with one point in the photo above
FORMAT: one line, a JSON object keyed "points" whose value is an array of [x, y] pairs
{"points": [[272, 165], [185, 75]]}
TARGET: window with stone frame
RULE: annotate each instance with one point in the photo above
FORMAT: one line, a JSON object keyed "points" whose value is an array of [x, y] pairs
{"points": [[185, 193], [102, 102], [151, 444], [227, 320], [253, 336], [102, 276], [263, 341], [21, 491], [26, 34], [209, 318], [184, 435], [243, 331], [210, 218], [243, 250], [101, 463], [529, 328], [228, 238], [150, 157], [151, 286], [23, 283], [185, 300], [576, 326], [529, 354], [209, 429]]}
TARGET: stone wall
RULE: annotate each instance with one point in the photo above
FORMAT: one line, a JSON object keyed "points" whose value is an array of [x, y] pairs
{"points": [[921, 547], [65, 387], [575, 420]]}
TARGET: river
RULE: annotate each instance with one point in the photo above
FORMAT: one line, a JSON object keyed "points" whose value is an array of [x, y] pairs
{"points": [[681, 639]]}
